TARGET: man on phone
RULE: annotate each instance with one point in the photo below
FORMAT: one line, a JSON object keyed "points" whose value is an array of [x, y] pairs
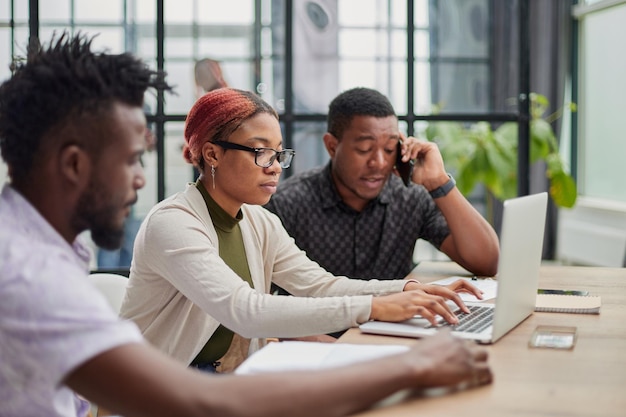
{"points": [[355, 218]]}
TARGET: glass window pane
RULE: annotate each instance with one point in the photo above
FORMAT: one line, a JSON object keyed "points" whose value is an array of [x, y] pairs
{"points": [[54, 10], [402, 126], [20, 40], [367, 43], [398, 88], [143, 11], [460, 87], [5, 11], [150, 100], [46, 32], [360, 43], [422, 44], [5, 54], [146, 46], [397, 47], [422, 101], [98, 10], [239, 74], [398, 14], [266, 42], [230, 12], [420, 13], [21, 10], [178, 11], [180, 74], [177, 171], [309, 146], [266, 87], [315, 84], [266, 12], [4, 175], [222, 47], [373, 74], [419, 129], [110, 38], [460, 28], [361, 12], [315, 63], [178, 47], [602, 85], [147, 196]]}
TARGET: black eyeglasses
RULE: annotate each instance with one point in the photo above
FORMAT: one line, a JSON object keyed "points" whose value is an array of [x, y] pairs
{"points": [[263, 157]]}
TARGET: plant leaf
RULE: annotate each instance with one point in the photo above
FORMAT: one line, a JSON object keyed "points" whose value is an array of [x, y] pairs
{"points": [[541, 139], [563, 190]]}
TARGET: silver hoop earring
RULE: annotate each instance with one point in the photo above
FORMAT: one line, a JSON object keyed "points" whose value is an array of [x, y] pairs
{"points": [[213, 175]]}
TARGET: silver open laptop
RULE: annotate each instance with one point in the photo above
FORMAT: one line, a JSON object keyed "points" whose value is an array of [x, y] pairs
{"points": [[521, 243]]}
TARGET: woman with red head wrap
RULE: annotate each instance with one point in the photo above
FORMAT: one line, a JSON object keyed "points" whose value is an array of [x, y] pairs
{"points": [[205, 258]]}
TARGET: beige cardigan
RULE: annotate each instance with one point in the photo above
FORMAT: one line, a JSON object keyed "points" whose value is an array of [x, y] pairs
{"points": [[180, 289]]}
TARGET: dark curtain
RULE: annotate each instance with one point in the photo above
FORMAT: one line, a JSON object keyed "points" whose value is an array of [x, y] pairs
{"points": [[549, 29]]}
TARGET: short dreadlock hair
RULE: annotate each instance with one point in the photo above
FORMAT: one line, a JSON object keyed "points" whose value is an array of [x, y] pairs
{"points": [[58, 83]]}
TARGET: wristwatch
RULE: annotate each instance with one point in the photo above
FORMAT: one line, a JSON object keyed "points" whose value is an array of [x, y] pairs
{"points": [[444, 189]]}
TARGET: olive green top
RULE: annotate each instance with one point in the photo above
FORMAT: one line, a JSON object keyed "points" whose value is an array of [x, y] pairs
{"points": [[232, 251]]}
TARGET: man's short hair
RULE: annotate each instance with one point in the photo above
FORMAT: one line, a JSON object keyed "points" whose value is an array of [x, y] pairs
{"points": [[60, 83], [358, 101]]}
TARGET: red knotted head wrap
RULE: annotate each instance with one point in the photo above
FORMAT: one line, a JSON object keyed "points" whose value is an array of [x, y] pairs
{"points": [[215, 116]]}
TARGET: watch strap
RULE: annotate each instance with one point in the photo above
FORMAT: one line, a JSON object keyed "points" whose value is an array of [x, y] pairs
{"points": [[444, 189]]}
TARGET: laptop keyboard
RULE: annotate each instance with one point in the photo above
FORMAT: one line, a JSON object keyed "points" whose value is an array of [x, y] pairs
{"points": [[478, 319]]}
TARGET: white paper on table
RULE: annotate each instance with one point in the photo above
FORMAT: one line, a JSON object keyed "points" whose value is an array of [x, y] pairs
{"points": [[303, 356], [489, 287]]}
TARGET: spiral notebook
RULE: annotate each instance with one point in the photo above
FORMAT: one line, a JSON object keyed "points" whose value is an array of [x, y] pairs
{"points": [[579, 304]]}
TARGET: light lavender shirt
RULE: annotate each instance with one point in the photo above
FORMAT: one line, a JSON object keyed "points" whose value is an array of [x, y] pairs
{"points": [[52, 319]]}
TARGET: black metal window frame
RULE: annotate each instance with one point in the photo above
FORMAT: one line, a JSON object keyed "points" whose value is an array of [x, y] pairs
{"points": [[289, 118]]}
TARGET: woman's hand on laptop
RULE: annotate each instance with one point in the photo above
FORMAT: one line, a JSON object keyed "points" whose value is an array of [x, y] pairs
{"points": [[449, 291], [425, 300], [408, 304]]}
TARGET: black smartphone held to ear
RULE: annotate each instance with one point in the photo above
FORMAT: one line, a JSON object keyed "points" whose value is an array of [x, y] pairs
{"points": [[405, 169]]}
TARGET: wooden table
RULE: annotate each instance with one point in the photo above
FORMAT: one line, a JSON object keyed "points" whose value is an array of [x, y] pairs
{"points": [[589, 380]]}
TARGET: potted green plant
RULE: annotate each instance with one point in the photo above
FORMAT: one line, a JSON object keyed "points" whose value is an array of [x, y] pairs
{"points": [[476, 153]]}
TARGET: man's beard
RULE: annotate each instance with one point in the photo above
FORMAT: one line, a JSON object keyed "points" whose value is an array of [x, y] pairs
{"points": [[97, 213], [106, 237]]}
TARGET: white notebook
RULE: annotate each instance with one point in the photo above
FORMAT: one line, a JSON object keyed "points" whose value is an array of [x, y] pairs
{"points": [[579, 304], [307, 356]]}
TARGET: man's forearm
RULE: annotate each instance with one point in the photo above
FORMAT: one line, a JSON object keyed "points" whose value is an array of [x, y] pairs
{"points": [[473, 243]]}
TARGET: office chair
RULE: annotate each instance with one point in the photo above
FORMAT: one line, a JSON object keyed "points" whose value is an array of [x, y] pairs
{"points": [[113, 287]]}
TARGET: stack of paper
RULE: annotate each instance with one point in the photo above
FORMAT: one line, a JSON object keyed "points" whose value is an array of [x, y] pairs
{"points": [[302, 356]]}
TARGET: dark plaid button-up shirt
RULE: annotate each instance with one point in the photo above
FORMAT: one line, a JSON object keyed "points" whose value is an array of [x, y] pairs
{"points": [[377, 242]]}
